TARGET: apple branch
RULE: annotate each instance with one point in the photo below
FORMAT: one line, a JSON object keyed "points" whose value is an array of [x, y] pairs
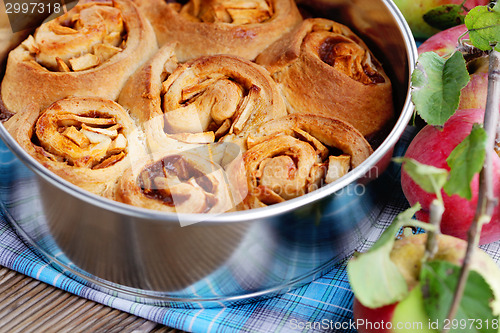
{"points": [[436, 214], [486, 198]]}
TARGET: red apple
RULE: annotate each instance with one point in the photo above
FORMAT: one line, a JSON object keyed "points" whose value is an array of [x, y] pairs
{"points": [[445, 43], [474, 95], [432, 146], [364, 315], [409, 314], [414, 10]]}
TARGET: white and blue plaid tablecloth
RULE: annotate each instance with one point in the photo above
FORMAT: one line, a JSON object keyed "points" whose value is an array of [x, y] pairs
{"points": [[323, 305]]}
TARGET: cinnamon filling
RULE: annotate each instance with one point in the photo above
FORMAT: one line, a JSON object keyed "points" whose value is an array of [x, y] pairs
{"points": [[92, 140], [349, 58], [236, 12], [292, 163], [85, 37], [214, 105], [175, 182]]}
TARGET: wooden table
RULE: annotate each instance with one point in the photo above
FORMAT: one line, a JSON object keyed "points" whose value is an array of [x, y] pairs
{"points": [[28, 305]]}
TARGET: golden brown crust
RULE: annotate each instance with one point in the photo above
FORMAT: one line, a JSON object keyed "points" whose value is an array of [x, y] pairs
{"points": [[89, 141], [200, 28], [221, 116], [295, 155], [323, 68], [212, 98], [27, 81], [141, 95]]}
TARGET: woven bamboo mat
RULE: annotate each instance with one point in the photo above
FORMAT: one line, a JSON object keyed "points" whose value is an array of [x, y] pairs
{"points": [[28, 305]]}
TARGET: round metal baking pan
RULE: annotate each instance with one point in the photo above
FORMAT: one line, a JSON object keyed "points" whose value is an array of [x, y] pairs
{"points": [[214, 260]]}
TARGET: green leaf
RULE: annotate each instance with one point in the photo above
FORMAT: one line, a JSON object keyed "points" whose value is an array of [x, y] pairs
{"points": [[428, 177], [404, 218], [445, 16], [438, 281], [436, 84], [384, 284], [465, 161], [483, 23]]}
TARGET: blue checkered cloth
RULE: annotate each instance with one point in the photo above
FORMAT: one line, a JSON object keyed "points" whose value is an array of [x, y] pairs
{"points": [[322, 305]]}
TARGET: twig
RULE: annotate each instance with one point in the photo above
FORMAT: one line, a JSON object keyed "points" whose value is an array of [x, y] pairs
{"points": [[486, 201], [436, 214]]}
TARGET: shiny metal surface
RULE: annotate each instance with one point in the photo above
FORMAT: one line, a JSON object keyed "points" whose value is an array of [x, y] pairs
{"points": [[147, 256]]}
